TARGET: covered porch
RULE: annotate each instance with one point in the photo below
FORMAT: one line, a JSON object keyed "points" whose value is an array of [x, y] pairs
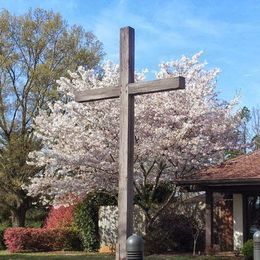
{"points": [[232, 197]]}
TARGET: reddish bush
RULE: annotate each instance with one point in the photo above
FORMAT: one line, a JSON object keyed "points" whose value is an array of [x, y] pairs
{"points": [[61, 217], [40, 239]]}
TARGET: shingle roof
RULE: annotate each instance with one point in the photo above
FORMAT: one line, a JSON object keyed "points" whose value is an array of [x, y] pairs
{"points": [[243, 168]]}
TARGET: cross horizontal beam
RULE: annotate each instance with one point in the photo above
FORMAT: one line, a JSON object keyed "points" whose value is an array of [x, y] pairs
{"points": [[159, 85], [137, 88]]}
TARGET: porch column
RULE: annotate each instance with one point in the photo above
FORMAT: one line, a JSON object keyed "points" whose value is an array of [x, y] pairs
{"points": [[238, 235], [209, 220]]}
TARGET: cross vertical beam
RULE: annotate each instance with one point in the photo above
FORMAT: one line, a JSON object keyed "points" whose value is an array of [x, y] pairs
{"points": [[126, 90], [126, 141]]}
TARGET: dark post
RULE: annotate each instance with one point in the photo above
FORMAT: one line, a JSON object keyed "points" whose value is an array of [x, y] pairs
{"points": [[135, 248], [209, 220]]}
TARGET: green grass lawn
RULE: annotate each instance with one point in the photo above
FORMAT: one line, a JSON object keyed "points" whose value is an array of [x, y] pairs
{"points": [[87, 256], [55, 256]]}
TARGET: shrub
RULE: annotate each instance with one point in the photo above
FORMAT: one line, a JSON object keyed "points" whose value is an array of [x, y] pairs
{"points": [[248, 249], [86, 219], [65, 239], [174, 231], [2, 244], [40, 239], [171, 232], [61, 217]]}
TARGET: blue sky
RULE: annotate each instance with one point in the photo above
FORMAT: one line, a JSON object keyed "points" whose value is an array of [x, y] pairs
{"points": [[228, 31]]}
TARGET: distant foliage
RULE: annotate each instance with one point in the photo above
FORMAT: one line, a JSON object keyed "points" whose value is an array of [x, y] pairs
{"points": [[40, 239], [256, 127], [2, 244], [61, 217], [36, 216]]}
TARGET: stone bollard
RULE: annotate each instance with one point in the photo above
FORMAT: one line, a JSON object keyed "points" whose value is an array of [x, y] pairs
{"points": [[135, 248], [256, 239]]}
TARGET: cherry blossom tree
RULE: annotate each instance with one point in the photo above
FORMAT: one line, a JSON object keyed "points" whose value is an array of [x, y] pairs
{"points": [[176, 134]]}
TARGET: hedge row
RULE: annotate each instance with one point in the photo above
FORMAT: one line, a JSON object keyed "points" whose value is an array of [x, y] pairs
{"points": [[61, 217], [40, 239]]}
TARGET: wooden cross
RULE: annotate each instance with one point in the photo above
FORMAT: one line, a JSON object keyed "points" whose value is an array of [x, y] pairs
{"points": [[126, 91]]}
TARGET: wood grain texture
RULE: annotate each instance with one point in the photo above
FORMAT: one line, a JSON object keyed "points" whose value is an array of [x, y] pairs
{"points": [[126, 141], [137, 88], [97, 94], [160, 85]]}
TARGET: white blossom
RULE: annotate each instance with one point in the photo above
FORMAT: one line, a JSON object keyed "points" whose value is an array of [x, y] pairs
{"points": [[186, 129]]}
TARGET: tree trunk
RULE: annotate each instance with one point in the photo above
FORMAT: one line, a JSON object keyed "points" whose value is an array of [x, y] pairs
{"points": [[195, 238], [18, 216], [146, 224]]}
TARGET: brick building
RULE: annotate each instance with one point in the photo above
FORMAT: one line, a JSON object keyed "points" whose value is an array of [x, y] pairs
{"points": [[232, 200]]}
